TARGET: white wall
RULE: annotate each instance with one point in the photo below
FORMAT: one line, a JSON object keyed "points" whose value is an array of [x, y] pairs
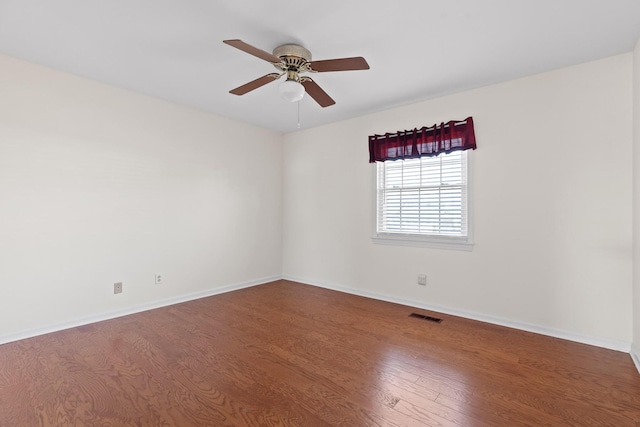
{"points": [[100, 185], [636, 206], [552, 206]]}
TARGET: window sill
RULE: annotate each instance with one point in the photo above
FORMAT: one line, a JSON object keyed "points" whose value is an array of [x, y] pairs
{"points": [[450, 243]]}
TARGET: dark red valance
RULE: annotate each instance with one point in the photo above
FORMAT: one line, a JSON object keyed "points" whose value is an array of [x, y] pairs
{"points": [[428, 141]]}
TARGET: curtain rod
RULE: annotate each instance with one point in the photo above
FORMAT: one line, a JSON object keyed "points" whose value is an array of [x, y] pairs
{"points": [[405, 132]]}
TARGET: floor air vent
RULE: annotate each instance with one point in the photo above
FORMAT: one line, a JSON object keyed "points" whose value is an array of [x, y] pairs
{"points": [[423, 317]]}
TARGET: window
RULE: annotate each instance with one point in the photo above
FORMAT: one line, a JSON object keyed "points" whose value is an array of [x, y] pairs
{"points": [[424, 202]]}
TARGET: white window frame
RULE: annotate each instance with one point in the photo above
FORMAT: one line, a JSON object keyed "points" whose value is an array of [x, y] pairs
{"points": [[463, 243]]}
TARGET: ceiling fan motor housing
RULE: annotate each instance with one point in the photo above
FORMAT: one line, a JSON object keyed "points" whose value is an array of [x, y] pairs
{"points": [[294, 57]]}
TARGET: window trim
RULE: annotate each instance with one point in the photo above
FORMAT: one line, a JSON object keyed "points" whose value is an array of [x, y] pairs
{"points": [[421, 240]]}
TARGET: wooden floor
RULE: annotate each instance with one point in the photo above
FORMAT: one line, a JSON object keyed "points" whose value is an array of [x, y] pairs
{"points": [[295, 355]]}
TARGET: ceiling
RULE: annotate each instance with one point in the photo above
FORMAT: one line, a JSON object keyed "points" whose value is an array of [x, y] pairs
{"points": [[172, 49]]}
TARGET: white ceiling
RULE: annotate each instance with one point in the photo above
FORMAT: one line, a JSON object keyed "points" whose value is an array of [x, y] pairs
{"points": [[172, 49]]}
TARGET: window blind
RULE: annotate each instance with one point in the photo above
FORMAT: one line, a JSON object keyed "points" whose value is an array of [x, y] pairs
{"points": [[425, 196]]}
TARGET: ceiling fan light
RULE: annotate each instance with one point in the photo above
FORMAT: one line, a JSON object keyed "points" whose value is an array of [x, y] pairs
{"points": [[291, 90]]}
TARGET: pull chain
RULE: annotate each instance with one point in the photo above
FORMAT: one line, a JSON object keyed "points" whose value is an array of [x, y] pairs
{"points": [[298, 114]]}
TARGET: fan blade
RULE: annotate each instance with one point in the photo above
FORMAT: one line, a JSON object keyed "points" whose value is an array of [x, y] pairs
{"points": [[255, 84], [239, 44], [342, 64], [316, 92]]}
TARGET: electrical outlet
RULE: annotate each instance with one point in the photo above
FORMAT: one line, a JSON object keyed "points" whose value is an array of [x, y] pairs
{"points": [[158, 279], [422, 279], [117, 288]]}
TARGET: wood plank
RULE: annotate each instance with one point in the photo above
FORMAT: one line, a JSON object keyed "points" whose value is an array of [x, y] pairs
{"points": [[296, 355]]}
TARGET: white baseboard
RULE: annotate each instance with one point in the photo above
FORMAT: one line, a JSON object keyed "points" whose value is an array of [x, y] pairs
{"points": [[635, 355], [542, 330], [132, 310], [595, 341]]}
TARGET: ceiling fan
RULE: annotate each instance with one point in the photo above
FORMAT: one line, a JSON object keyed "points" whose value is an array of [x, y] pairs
{"points": [[293, 60]]}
